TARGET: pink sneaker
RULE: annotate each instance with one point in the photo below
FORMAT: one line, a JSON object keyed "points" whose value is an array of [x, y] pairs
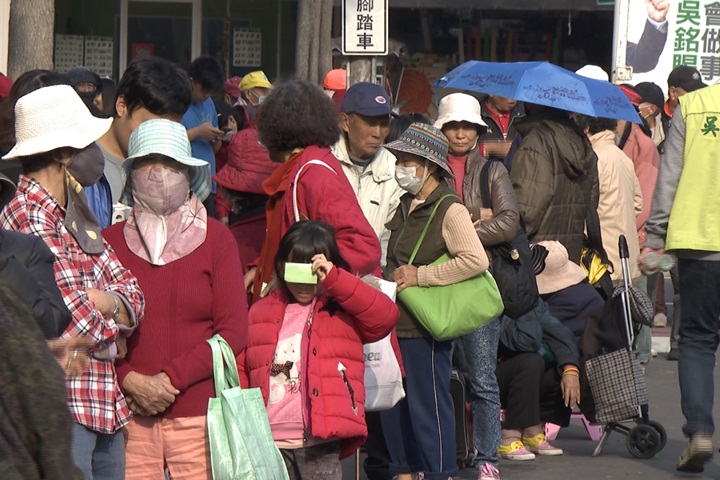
{"points": [[488, 471]]}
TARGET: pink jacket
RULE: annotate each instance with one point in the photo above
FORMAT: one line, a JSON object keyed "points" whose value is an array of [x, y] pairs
{"points": [[646, 159], [348, 314]]}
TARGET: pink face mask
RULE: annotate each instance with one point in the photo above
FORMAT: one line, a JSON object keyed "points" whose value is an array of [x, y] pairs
{"points": [[160, 190]]}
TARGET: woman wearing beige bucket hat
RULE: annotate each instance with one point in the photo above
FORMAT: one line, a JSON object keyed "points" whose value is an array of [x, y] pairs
{"points": [[51, 124]]}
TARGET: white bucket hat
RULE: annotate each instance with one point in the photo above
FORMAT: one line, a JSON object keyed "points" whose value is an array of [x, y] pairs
{"points": [[169, 138], [594, 72], [459, 107], [54, 117]]}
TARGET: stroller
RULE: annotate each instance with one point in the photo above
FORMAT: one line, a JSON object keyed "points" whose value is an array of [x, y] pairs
{"points": [[613, 382]]}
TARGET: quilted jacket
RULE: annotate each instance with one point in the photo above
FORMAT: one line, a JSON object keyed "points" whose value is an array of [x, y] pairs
{"points": [[348, 314], [555, 176]]}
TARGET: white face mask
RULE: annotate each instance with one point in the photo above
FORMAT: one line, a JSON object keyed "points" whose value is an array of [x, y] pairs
{"points": [[408, 181]]}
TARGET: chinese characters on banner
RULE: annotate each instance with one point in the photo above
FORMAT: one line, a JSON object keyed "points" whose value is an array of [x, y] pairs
{"points": [[68, 52], [99, 55], [365, 27], [95, 53], [692, 38], [247, 47]]}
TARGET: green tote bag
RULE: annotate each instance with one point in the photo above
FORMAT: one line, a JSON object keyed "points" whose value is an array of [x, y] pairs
{"points": [[241, 443], [451, 311]]}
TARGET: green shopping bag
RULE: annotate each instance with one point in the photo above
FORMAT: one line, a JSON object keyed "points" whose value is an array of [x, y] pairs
{"points": [[241, 443]]}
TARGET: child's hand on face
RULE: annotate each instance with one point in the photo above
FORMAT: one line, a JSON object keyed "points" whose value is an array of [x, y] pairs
{"points": [[321, 266]]}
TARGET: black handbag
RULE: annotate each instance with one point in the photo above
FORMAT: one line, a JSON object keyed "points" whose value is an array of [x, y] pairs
{"points": [[511, 263]]}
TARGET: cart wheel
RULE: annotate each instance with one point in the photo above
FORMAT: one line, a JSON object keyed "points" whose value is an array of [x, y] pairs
{"points": [[643, 441], [661, 430]]}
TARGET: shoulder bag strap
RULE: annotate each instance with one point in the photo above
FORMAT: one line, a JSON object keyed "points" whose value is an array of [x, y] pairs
{"points": [[427, 226], [485, 186], [296, 211]]}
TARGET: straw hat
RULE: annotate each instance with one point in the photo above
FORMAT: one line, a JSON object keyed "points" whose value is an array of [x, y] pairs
{"points": [[54, 117], [165, 137], [248, 164], [559, 271], [459, 107], [424, 141]]}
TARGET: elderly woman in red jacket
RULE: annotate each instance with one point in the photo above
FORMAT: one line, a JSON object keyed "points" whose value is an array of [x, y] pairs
{"points": [[298, 124], [305, 351]]}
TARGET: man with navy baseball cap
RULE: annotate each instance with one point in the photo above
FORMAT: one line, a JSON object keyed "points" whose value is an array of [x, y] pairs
{"points": [[365, 121]]}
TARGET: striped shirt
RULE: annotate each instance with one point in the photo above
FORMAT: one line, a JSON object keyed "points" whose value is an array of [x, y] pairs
{"points": [[94, 397]]}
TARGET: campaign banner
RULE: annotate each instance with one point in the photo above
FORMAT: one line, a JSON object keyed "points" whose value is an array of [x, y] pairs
{"points": [[663, 34]]}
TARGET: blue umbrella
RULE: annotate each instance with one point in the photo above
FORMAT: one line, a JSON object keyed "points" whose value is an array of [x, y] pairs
{"points": [[544, 84]]}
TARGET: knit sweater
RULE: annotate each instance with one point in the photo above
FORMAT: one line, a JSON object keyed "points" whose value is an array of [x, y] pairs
{"points": [[187, 302]]}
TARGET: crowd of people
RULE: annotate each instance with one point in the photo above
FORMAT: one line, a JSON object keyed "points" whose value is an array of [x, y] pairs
{"points": [[141, 218]]}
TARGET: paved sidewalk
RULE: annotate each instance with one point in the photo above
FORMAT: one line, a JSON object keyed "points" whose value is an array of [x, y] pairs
{"points": [[615, 461]]}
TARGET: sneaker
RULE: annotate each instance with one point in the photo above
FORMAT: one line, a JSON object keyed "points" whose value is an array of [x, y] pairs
{"points": [[540, 446], [515, 451], [696, 454], [488, 471], [673, 354], [660, 321]]}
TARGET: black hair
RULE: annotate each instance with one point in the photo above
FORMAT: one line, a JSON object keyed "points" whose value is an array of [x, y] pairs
{"points": [[27, 82], [301, 242], [595, 124], [398, 125], [207, 72], [157, 85], [108, 90], [35, 163], [225, 111], [243, 202], [297, 114]]}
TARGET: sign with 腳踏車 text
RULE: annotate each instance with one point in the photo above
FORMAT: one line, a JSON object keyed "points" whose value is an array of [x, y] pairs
{"points": [[247, 47], [365, 27]]}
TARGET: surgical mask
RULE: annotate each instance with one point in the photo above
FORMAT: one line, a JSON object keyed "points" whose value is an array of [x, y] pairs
{"points": [[87, 165], [160, 190], [259, 99], [408, 181]]}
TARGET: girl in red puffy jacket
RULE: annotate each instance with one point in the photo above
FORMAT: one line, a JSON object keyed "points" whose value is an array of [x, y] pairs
{"points": [[305, 351]]}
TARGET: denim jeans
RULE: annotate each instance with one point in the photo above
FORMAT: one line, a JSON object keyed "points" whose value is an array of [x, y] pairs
{"points": [[479, 352], [699, 285], [99, 456]]}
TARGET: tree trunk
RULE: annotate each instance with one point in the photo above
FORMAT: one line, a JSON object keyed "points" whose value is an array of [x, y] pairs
{"points": [[313, 54], [31, 36]]}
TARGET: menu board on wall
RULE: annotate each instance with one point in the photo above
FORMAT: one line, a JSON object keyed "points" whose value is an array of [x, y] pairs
{"points": [[68, 52], [99, 55], [247, 47]]}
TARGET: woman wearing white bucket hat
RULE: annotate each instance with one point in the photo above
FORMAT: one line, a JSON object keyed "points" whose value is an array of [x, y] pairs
{"points": [[51, 125], [189, 267]]}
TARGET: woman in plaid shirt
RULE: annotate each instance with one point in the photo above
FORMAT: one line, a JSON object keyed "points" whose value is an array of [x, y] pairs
{"points": [[52, 129]]}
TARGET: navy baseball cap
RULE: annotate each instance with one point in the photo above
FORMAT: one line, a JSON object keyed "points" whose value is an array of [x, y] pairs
{"points": [[366, 99]]}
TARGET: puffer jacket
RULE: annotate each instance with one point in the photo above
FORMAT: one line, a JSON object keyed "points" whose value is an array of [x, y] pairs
{"points": [[555, 177], [348, 314], [506, 217]]}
